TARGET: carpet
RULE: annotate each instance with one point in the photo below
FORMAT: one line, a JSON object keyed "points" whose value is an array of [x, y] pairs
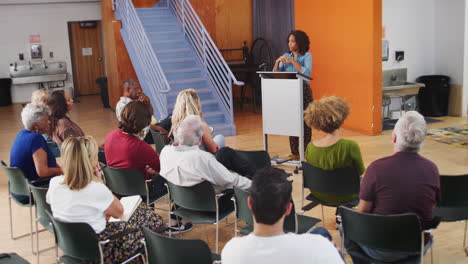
{"points": [[390, 123], [456, 135]]}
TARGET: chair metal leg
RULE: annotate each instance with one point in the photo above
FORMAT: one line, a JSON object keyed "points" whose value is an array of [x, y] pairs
{"points": [[464, 238], [31, 228], [56, 254], [302, 200], [432, 253], [323, 216]]}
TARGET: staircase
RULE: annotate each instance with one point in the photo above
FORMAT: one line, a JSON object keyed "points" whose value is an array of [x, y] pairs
{"points": [[179, 60]]}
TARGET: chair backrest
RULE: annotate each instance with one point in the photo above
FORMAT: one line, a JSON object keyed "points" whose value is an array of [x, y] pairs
{"points": [[290, 221], [102, 157], [389, 233], [125, 182], [200, 197], [158, 140], [453, 205], [453, 190], [39, 194], [245, 214], [243, 211], [17, 182], [342, 181], [260, 158], [162, 249], [76, 240]]}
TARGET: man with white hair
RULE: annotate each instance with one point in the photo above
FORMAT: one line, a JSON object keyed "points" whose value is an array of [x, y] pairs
{"points": [[404, 182], [185, 164]]}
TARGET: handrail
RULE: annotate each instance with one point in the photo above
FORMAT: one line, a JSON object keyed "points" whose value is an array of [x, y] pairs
{"points": [[154, 80], [206, 52]]}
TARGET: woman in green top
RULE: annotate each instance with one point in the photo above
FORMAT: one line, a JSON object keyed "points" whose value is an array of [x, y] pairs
{"points": [[331, 152]]}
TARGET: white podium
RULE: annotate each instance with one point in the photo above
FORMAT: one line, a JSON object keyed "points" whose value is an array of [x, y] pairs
{"points": [[282, 106]]}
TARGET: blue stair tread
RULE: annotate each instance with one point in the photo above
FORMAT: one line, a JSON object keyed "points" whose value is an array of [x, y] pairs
{"points": [[188, 81], [173, 50], [182, 70]]}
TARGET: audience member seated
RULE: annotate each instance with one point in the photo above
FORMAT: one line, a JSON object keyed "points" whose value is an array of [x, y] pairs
{"points": [[125, 150], [188, 103], [404, 182], [132, 92], [270, 202], [30, 152], [61, 104], [81, 196], [331, 151], [185, 164], [41, 96]]}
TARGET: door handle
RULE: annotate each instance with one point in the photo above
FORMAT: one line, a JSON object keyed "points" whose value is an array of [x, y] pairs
{"points": [[99, 59]]}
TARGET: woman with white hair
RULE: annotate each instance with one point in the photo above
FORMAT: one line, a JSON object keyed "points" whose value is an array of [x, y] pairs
{"points": [[29, 151]]}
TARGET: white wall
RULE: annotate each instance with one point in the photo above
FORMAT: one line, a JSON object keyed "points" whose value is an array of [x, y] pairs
{"points": [[409, 28], [449, 38], [430, 32], [49, 21]]}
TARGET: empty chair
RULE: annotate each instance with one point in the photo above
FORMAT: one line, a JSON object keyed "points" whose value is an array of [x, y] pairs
{"points": [[294, 222], [200, 204], [79, 242], [161, 250], [39, 195], [127, 182], [402, 233], [342, 181], [18, 185], [453, 205]]}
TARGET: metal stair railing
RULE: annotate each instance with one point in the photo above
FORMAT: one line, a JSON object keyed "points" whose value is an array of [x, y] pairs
{"points": [[206, 51], [155, 81]]}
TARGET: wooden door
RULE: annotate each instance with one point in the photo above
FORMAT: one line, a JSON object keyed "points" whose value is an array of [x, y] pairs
{"points": [[87, 56]]}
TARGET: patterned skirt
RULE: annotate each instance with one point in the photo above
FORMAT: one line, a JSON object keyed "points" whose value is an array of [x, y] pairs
{"points": [[121, 249]]}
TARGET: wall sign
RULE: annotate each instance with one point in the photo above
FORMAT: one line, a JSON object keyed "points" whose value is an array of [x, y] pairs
{"points": [[87, 51], [34, 39], [36, 51]]}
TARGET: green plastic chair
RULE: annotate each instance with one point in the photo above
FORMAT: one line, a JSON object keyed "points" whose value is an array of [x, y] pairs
{"points": [[161, 250], [453, 205], [294, 222], [387, 233], [158, 139], [342, 181], [128, 182], [79, 242], [18, 184], [39, 195], [198, 204], [260, 158]]}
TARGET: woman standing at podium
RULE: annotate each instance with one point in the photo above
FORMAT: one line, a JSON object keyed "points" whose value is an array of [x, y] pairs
{"points": [[298, 59]]}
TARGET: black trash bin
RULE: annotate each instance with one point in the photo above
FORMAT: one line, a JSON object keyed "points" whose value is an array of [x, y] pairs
{"points": [[5, 91], [433, 99], [102, 82]]}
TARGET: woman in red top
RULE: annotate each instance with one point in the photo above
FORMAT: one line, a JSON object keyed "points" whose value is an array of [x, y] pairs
{"points": [[125, 150]]}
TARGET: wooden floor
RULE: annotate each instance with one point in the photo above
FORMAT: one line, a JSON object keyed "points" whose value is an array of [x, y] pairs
{"points": [[96, 121]]}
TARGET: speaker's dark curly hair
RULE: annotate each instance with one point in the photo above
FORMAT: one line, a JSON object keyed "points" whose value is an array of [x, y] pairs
{"points": [[302, 40]]}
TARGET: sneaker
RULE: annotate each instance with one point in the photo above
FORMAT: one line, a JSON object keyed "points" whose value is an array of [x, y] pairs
{"points": [[179, 228]]}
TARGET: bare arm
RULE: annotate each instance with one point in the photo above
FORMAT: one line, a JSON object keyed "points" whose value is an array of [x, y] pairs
{"points": [[40, 162], [115, 209], [210, 145], [364, 206]]}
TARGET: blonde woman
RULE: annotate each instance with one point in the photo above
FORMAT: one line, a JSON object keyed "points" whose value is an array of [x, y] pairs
{"points": [[188, 103], [331, 151], [80, 196]]}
